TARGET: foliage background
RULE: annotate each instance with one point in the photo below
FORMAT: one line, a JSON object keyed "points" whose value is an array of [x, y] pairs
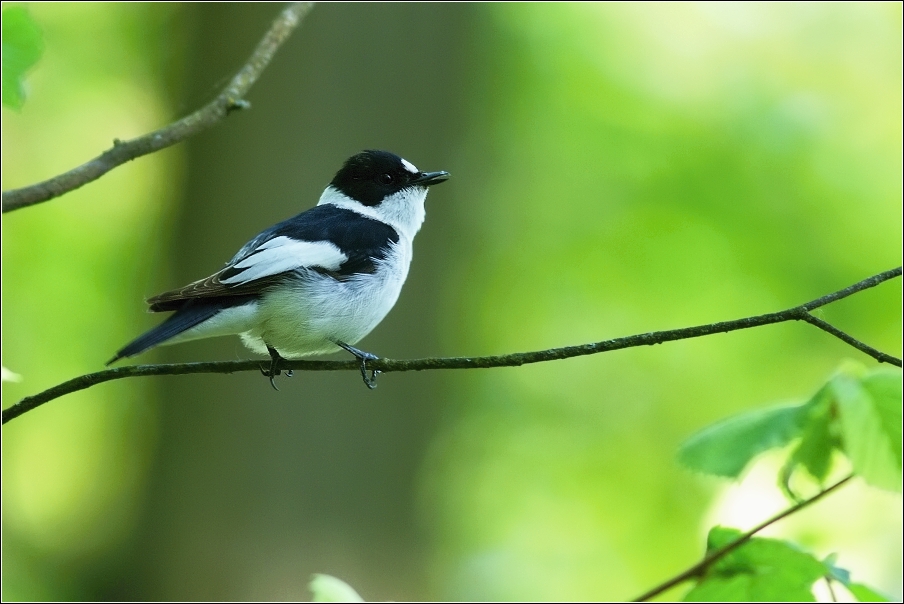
{"points": [[616, 169]]}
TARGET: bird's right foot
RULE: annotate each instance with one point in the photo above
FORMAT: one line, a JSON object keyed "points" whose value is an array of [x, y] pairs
{"points": [[363, 357], [274, 370]]}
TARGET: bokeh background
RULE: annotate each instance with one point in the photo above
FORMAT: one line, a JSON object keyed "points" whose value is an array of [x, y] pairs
{"points": [[616, 169]]}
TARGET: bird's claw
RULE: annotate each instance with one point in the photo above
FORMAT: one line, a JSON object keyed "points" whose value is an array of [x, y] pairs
{"points": [[274, 369], [370, 382], [363, 357]]}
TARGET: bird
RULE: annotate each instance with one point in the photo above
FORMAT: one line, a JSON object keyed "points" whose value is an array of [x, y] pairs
{"points": [[315, 283]]}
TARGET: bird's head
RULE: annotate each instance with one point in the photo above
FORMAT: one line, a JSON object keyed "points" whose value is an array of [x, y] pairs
{"points": [[384, 186]]}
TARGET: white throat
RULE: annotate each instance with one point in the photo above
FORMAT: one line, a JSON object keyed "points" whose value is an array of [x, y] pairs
{"points": [[403, 211]]}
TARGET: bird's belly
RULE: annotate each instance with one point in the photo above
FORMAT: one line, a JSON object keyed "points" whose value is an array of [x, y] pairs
{"points": [[316, 311]]}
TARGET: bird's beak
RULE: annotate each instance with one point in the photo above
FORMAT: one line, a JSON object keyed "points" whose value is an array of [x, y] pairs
{"points": [[425, 179]]}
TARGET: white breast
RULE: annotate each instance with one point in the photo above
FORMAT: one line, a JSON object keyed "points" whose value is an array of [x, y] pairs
{"points": [[315, 310]]}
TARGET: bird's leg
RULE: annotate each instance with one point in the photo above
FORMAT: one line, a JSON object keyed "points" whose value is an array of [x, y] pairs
{"points": [[363, 357], [274, 370]]}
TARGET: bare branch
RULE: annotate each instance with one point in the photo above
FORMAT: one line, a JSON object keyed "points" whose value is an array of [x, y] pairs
{"points": [[852, 289], [798, 313], [865, 348], [712, 557], [229, 99]]}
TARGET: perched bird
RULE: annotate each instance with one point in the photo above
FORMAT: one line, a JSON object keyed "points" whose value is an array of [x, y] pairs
{"points": [[315, 283]]}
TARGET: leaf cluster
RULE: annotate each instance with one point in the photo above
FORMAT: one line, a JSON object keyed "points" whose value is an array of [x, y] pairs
{"points": [[768, 570], [857, 413]]}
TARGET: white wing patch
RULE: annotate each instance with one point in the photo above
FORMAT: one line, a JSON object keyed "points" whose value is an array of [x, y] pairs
{"points": [[409, 166], [282, 254]]}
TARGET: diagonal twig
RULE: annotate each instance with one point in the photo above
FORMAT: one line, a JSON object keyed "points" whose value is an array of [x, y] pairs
{"points": [[714, 556], [231, 98], [865, 348], [797, 313]]}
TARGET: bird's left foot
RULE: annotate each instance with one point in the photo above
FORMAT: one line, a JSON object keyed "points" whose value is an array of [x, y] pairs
{"points": [[363, 357], [275, 360]]}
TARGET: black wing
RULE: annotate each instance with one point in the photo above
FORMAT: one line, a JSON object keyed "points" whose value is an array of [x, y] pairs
{"points": [[331, 240]]}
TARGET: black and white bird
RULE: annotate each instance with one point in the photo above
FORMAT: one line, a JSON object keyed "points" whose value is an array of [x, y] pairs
{"points": [[315, 283]]}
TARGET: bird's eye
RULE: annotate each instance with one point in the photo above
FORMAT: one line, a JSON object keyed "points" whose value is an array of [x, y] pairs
{"points": [[387, 179]]}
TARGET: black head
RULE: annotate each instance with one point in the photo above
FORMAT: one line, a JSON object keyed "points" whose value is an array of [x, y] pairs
{"points": [[371, 176]]}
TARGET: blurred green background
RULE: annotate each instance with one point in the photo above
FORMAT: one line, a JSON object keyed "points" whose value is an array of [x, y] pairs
{"points": [[616, 169]]}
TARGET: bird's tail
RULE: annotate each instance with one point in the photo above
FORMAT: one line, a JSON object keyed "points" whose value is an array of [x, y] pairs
{"points": [[191, 314]]}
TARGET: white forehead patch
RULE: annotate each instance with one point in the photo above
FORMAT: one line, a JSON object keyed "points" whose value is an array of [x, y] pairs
{"points": [[409, 166]]}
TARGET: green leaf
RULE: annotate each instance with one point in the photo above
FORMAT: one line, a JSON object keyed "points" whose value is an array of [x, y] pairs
{"points": [[761, 570], [720, 536], [23, 45], [865, 594], [725, 448], [748, 588], [884, 386], [764, 556], [814, 452], [330, 589], [818, 440], [869, 409]]}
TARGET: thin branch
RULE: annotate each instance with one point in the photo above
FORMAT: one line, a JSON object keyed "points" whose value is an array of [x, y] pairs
{"points": [[231, 98], [865, 348], [851, 289], [714, 556], [798, 313]]}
